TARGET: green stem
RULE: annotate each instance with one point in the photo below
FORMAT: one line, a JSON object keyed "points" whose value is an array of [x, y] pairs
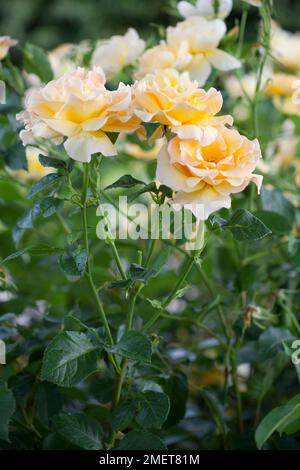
{"points": [[116, 399], [172, 295], [63, 223], [235, 379], [117, 259], [88, 270], [213, 294], [242, 30], [266, 36], [150, 251]]}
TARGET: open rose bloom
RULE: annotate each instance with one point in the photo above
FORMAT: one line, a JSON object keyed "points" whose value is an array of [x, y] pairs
{"points": [[204, 176], [5, 44], [192, 45], [174, 100], [205, 161], [78, 110], [118, 52]]}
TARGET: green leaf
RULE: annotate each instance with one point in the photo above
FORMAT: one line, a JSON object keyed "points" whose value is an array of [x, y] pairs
{"points": [[69, 358], [7, 409], [126, 181], [148, 188], [294, 249], [245, 226], [29, 217], [273, 200], [140, 440], [150, 128], [14, 255], [123, 414], [36, 61], [154, 409], [176, 387], [73, 264], [44, 183], [134, 346], [50, 205], [79, 429], [277, 223], [271, 341], [39, 250], [139, 273], [50, 162], [165, 190], [12, 76], [280, 419]]}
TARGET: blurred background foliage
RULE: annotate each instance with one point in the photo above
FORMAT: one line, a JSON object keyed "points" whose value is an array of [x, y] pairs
{"points": [[49, 23]]}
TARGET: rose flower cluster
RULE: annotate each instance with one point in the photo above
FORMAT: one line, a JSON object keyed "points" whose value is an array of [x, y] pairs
{"points": [[203, 162]]}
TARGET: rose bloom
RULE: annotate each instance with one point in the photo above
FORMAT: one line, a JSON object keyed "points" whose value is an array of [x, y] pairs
{"points": [[174, 100], [282, 152], [206, 8], [35, 170], [286, 47], [193, 46], [6, 43], [117, 52], [79, 110], [284, 88], [67, 57], [205, 176]]}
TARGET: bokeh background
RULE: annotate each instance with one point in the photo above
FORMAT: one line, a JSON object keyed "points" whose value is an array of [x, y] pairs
{"points": [[49, 23]]}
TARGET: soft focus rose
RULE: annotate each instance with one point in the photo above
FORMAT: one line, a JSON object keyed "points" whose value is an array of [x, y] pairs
{"points": [[78, 109], [117, 52], [282, 152], [67, 57], [164, 56], [206, 176], [174, 100], [202, 37], [35, 170], [286, 47], [6, 43], [283, 87], [192, 45], [206, 8]]}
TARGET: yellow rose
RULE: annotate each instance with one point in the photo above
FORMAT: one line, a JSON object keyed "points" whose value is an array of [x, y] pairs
{"points": [[286, 47], [164, 56], [79, 110], [6, 43], [117, 52], [192, 46], [207, 8], [35, 170], [205, 176], [172, 99], [282, 152], [283, 88]]}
